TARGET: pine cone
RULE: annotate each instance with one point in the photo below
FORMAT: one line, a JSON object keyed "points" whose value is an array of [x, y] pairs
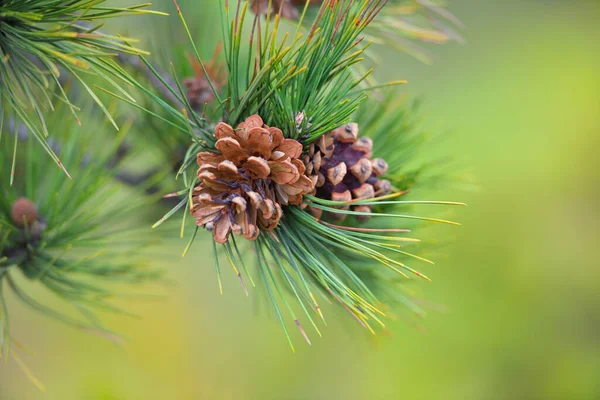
{"points": [[23, 212], [339, 165], [288, 11], [198, 90], [243, 188], [303, 2]]}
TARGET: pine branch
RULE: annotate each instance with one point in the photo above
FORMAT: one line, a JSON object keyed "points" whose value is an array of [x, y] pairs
{"points": [[287, 172], [72, 237], [39, 37]]}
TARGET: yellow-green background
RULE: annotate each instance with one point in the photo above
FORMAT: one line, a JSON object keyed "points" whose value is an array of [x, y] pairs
{"points": [[520, 285]]}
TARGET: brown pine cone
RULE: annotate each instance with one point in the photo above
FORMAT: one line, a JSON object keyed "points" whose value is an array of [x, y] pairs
{"points": [[23, 212], [288, 11], [340, 166], [198, 90], [243, 188]]}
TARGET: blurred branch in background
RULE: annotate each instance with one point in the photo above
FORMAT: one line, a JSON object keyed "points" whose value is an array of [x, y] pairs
{"points": [[401, 24], [39, 37]]}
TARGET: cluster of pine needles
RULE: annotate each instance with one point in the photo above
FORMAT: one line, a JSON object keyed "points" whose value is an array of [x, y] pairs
{"points": [[306, 78], [305, 82]]}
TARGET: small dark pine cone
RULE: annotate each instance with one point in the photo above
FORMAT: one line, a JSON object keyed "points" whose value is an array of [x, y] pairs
{"points": [[198, 89], [243, 187], [288, 11], [23, 212], [340, 166]]}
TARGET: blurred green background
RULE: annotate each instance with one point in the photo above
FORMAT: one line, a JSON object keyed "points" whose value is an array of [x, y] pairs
{"points": [[519, 285]]}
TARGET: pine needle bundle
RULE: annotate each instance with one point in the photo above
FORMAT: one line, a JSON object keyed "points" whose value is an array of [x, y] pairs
{"points": [[75, 238], [292, 180]]}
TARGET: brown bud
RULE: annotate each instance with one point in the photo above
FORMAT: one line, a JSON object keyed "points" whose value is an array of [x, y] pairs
{"points": [[253, 121], [258, 166], [380, 167], [364, 191], [325, 145], [23, 212], [336, 216], [317, 161], [336, 174], [362, 169], [252, 232], [315, 180], [315, 212], [344, 196], [341, 196], [309, 168], [346, 133], [382, 187], [365, 145], [320, 180], [236, 229], [365, 209]]}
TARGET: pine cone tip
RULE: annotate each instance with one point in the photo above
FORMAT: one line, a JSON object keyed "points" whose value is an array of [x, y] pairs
{"points": [[23, 212]]}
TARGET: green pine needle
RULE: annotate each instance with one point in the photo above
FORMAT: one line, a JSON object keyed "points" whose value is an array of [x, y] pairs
{"points": [[82, 247], [307, 85], [46, 42]]}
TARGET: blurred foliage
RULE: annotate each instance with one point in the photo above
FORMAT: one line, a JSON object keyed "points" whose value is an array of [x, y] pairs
{"points": [[70, 237], [41, 42], [520, 298]]}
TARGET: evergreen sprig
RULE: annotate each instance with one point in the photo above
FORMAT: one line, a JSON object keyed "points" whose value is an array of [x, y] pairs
{"points": [[303, 87], [77, 238], [307, 85], [43, 43]]}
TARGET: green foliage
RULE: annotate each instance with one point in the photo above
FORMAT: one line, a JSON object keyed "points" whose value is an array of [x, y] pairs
{"points": [[43, 42], [308, 85], [310, 76], [85, 236], [402, 25]]}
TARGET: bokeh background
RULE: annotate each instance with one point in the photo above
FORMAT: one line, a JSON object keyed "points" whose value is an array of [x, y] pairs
{"points": [[515, 296]]}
